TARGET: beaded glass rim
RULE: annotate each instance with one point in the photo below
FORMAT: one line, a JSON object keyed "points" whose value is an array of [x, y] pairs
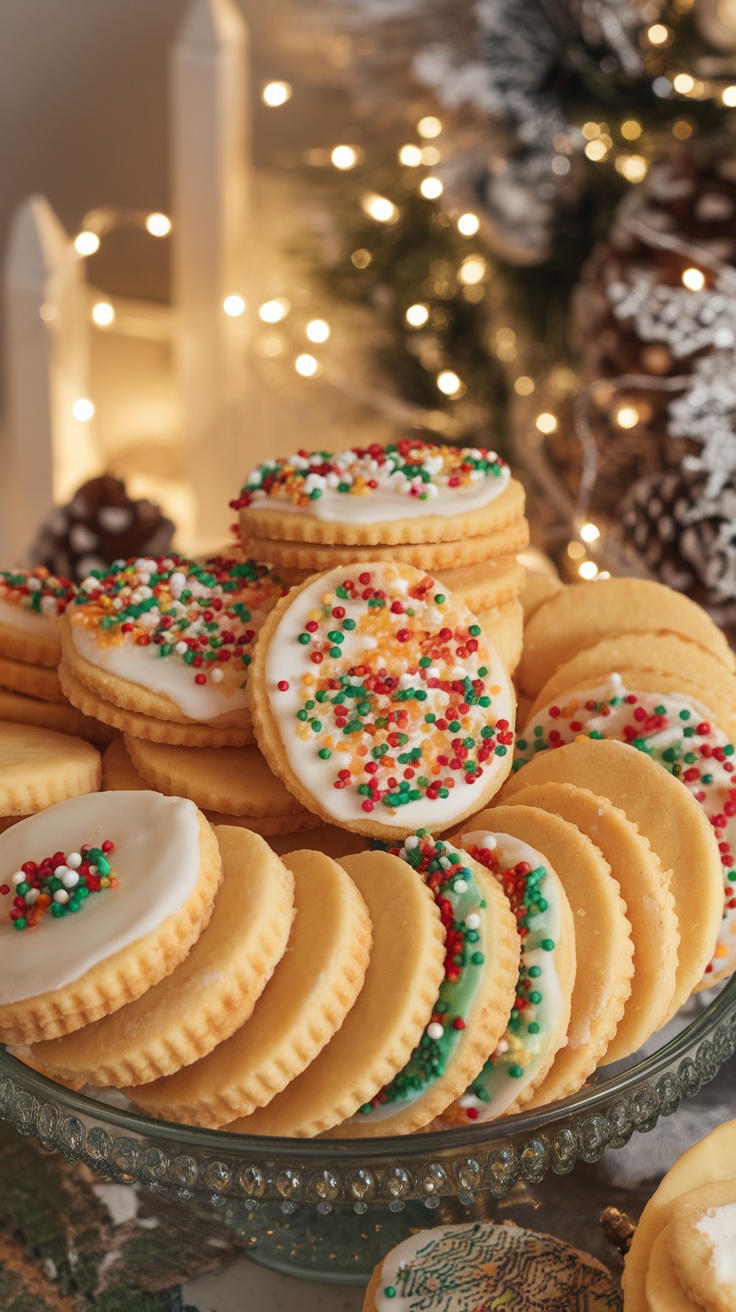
{"points": [[443, 1163]]}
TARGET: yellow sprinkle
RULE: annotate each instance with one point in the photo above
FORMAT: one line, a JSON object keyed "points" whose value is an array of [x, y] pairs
{"points": [[308, 679], [720, 951], [326, 601], [494, 689], [104, 882]]}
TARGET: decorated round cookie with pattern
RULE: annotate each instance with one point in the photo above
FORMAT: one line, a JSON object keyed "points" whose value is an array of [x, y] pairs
{"points": [[679, 734], [380, 702], [408, 491], [101, 896], [32, 602], [540, 1016], [168, 640], [479, 1266]]}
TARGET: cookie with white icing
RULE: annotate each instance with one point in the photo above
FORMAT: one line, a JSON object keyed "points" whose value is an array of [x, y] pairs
{"points": [[100, 897], [32, 602], [168, 641], [466, 1268], [378, 699]]}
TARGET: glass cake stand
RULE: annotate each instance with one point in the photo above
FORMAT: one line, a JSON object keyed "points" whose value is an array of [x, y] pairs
{"points": [[329, 1209]]}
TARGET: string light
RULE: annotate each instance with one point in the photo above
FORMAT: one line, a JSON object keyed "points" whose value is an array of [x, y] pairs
{"points": [[417, 315], [271, 346], [429, 127], [361, 258], [234, 306], [546, 423], [103, 314], [318, 330], [431, 188], [411, 156], [587, 570], [380, 208], [472, 270], [682, 129], [449, 383], [86, 243], [627, 416], [633, 167], [274, 311], [684, 84], [596, 150], [524, 385], [575, 550], [589, 532], [344, 157], [658, 34], [307, 366], [693, 279], [430, 156], [591, 130], [83, 409], [275, 94], [728, 96], [159, 225], [506, 345], [631, 130], [468, 224]]}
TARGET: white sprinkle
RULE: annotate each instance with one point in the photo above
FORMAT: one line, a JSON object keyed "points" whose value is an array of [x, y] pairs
{"points": [[410, 842], [435, 1030], [467, 1100], [18, 877], [473, 920], [177, 583], [460, 886], [33, 585], [74, 860], [217, 676], [32, 896], [180, 648], [70, 879], [60, 871], [61, 895], [48, 606], [489, 843]]}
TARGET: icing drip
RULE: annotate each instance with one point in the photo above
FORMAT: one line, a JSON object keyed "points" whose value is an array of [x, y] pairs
{"points": [[388, 697], [373, 484], [459, 900], [521, 872], [33, 600], [677, 732], [176, 627]]}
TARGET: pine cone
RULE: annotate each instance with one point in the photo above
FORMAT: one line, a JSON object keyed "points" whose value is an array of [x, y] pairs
{"points": [[100, 524]]}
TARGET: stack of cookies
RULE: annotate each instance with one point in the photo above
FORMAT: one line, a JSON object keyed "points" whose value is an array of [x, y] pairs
{"points": [[452, 511]]}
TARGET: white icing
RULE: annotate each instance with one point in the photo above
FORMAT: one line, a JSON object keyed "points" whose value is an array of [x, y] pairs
{"points": [[156, 857], [718, 1225], [28, 621], [287, 661], [145, 666], [385, 505]]}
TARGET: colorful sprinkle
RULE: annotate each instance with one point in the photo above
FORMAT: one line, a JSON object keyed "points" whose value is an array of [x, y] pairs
{"points": [[58, 884]]}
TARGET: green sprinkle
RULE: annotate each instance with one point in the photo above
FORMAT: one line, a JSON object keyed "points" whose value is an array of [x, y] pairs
{"points": [[475, 630], [325, 753], [547, 944], [304, 638], [440, 599]]}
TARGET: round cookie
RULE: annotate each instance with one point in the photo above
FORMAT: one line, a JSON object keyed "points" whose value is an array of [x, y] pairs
{"points": [[504, 625], [472, 1009], [663, 1289], [390, 1014], [32, 602], [537, 589], [702, 1245], [307, 999], [168, 639], [407, 491], [66, 970], [540, 1017], [30, 680], [705, 1164], [39, 767], [650, 906], [53, 715], [582, 615], [603, 946], [378, 700], [481, 1265], [676, 732], [207, 997]]}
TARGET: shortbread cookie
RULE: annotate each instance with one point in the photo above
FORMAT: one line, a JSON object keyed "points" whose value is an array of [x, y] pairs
{"points": [[168, 639], [650, 906], [32, 602], [540, 1017], [30, 680], [390, 1014], [476, 997], [306, 1000], [39, 767], [208, 996], [504, 625], [439, 556], [378, 700], [481, 1265], [537, 589], [64, 970], [663, 1289], [676, 732], [702, 1245], [408, 491], [707, 1163], [53, 715], [603, 945], [580, 616]]}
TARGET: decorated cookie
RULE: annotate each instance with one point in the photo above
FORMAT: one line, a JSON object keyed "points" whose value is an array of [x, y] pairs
{"points": [[678, 733], [168, 640], [39, 767], [378, 700], [702, 1245], [86, 922], [408, 491], [650, 906], [603, 945], [390, 1014], [581, 616], [307, 999], [479, 1266], [540, 1017], [32, 602], [207, 997]]}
